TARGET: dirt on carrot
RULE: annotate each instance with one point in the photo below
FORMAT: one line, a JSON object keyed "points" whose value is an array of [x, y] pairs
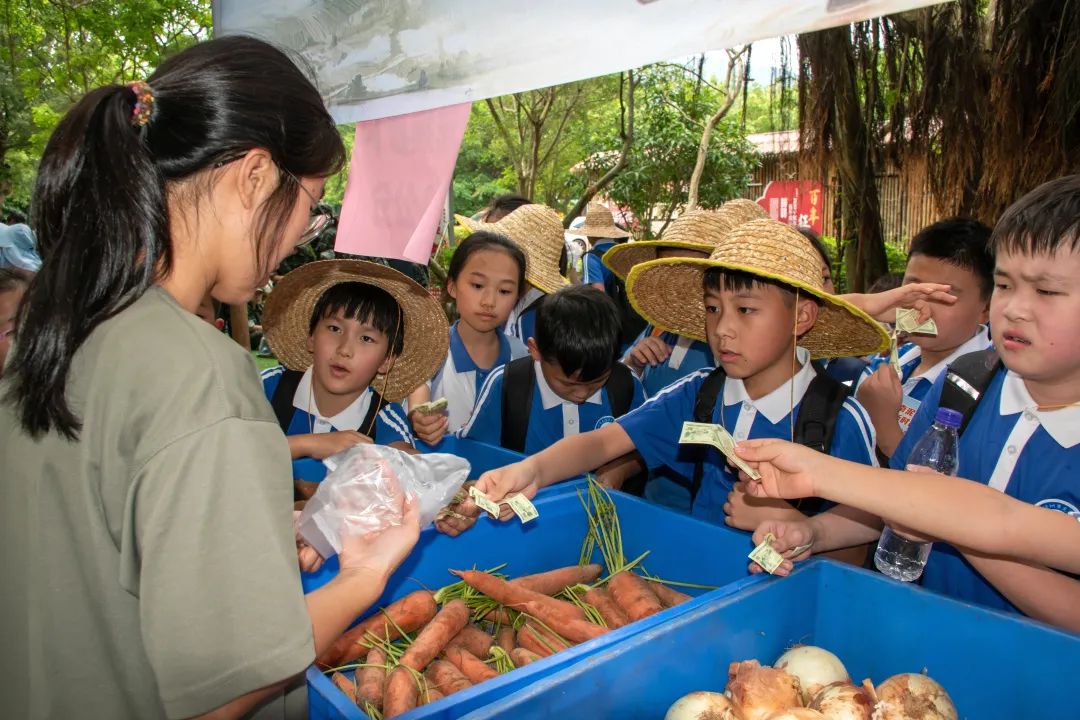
{"points": [[505, 638], [470, 666], [474, 640], [539, 641], [633, 595], [523, 657], [370, 680], [613, 615], [402, 692], [446, 678], [430, 641], [570, 628], [668, 596], [409, 613]]}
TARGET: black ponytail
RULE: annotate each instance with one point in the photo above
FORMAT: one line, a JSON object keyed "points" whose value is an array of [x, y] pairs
{"points": [[99, 205]]}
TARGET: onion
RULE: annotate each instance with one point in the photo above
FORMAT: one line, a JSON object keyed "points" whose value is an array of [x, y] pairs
{"points": [[759, 691], [911, 696], [843, 701], [797, 713], [815, 667], [702, 705]]}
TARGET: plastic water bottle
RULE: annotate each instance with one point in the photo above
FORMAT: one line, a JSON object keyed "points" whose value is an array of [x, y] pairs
{"points": [[900, 557]]}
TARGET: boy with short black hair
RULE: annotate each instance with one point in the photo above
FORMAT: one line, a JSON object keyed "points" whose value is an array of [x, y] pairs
{"points": [[354, 338], [1022, 409], [952, 252], [570, 383], [759, 302]]}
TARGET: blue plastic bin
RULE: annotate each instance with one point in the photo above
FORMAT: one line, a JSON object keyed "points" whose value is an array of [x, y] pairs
{"points": [[995, 666], [681, 549]]}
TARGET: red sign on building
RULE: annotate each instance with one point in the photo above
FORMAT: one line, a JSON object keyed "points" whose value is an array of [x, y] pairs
{"points": [[795, 202]]}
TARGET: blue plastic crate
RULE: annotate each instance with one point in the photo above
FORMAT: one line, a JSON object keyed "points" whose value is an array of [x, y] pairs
{"points": [[680, 548], [995, 666]]}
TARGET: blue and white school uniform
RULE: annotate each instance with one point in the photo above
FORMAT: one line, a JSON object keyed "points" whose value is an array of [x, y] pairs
{"points": [[459, 379], [1013, 447], [917, 381], [521, 323], [550, 417], [595, 269], [390, 423], [654, 429], [687, 355]]}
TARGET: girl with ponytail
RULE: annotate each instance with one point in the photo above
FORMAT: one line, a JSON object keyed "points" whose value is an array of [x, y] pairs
{"points": [[148, 553]]}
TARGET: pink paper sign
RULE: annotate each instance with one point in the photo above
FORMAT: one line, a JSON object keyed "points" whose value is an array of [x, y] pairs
{"points": [[399, 175]]}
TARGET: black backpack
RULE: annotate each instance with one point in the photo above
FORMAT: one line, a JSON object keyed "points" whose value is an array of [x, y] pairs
{"points": [[282, 403], [814, 423], [631, 324], [519, 376], [966, 379]]}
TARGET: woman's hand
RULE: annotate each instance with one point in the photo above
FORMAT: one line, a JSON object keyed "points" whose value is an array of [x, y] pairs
{"points": [[323, 445], [380, 553], [787, 470]]}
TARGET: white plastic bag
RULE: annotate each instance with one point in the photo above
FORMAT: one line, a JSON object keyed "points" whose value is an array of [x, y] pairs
{"points": [[362, 492]]}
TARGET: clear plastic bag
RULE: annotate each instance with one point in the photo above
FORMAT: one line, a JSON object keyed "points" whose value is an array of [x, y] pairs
{"points": [[362, 493]]}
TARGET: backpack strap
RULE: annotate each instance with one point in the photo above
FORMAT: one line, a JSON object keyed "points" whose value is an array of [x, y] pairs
{"points": [[818, 411], [620, 389], [369, 427], [519, 376], [966, 380], [704, 404], [282, 399]]}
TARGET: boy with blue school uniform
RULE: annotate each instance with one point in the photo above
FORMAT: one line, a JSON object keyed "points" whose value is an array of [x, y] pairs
{"points": [[759, 290], [353, 338], [570, 383], [952, 252]]}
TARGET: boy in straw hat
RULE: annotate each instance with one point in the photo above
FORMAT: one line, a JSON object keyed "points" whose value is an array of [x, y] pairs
{"points": [[354, 338], [538, 231], [603, 234], [758, 301]]}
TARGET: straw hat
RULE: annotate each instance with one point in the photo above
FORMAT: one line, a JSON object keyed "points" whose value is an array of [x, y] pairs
{"points": [[427, 334], [538, 231], [693, 230], [599, 222], [668, 293]]}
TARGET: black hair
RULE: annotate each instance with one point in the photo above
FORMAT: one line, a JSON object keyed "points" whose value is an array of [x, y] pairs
{"points": [[100, 202], [579, 328], [503, 205], [364, 303], [962, 242], [816, 241], [11, 278], [721, 279], [888, 281], [1040, 222], [485, 240]]}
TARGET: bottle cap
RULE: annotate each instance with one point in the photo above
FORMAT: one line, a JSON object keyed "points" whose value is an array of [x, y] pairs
{"points": [[949, 418]]}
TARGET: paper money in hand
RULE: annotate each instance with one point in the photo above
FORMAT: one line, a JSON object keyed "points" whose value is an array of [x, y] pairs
{"points": [[907, 321], [433, 407], [765, 556], [894, 357], [694, 433]]}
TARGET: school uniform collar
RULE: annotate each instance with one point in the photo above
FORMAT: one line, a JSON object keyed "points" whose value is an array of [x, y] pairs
{"points": [[349, 419], [1063, 425], [776, 405], [979, 341], [548, 396], [527, 299], [463, 362]]}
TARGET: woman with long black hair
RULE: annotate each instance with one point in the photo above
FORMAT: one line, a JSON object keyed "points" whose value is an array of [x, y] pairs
{"points": [[148, 557]]}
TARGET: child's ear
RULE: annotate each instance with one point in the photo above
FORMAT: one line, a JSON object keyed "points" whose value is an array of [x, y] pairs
{"points": [[387, 363], [451, 288], [311, 344], [984, 314], [806, 315], [534, 351]]}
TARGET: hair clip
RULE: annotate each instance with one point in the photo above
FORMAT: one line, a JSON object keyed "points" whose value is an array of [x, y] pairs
{"points": [[144, 103]]}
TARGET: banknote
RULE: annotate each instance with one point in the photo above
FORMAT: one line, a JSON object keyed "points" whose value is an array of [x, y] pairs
{"points": [[694, 433]]}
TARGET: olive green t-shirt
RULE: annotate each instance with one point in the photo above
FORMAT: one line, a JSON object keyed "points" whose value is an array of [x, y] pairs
{"points": [[149, 568]]}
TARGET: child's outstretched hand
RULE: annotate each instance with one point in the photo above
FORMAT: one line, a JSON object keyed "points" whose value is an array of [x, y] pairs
{"points": [[429, 427], [322, 445], [787, 469], [649, 351], [788, 536], [882, 306]]}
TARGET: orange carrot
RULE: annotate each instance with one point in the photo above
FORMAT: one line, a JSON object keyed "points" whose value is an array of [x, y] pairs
{"points": [[345, 685], [540, 642], [554, 582], [409, 613], [436, 634], [474, 640], [668, 596], [499, 616], [523, 657], [370, 680], [513, 596], [470, 666], [430, 695], [401, 692], [601, 599], [446, 678], [633, 595], [570, 628], [505, 639]]}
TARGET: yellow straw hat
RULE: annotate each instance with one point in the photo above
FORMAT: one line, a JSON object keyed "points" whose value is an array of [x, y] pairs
{"points": [[693, 230], [426, 341], [668, 293], [538, 231], [599, 222]]}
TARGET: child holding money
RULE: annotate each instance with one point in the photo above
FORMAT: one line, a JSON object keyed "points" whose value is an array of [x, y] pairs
{"points": [[955, 253], [758, 301]]}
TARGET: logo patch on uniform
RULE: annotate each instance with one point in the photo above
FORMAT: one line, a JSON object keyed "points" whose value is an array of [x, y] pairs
{"points": [[606, 420], [1061, 506]]}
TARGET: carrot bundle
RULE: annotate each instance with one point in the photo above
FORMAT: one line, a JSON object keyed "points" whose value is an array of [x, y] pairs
{"points": [[568, 627], [472, 667], [633, 595], [613, 615], [371, 679], [513, 596], [668, 596], [409, 613], [433, 638], [402, 692], [554, 582]]}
